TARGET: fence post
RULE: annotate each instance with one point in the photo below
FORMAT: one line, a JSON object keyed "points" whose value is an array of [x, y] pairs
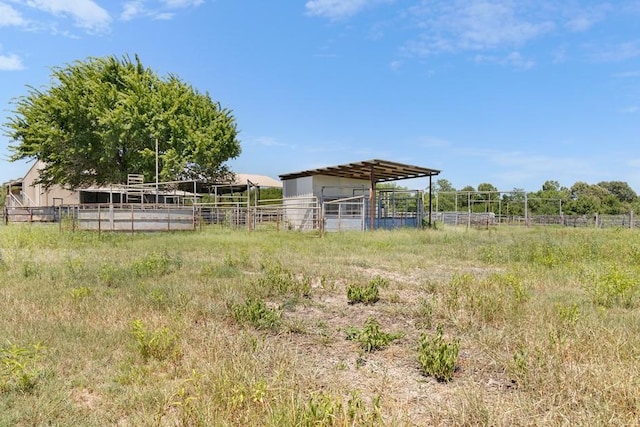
{"points": [[468, 210], [526, 209]]}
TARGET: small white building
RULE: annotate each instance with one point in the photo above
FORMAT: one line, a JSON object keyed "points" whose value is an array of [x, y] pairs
{"points": [[346, 196]]}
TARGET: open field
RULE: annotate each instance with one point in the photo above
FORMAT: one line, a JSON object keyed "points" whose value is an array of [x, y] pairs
{"points": [[225, 327]]}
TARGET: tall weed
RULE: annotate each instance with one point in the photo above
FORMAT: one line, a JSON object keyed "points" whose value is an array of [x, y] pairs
{"points": [[158, 344], [614, 287], [20, 367], [437, 356]]}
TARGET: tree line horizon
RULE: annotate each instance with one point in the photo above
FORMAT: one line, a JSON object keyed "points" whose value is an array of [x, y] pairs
{"points": [[605, 197]]}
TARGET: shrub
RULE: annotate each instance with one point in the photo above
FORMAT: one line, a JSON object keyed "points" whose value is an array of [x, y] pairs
{"points": [[370, 337], [256, 312], [438, 357]]}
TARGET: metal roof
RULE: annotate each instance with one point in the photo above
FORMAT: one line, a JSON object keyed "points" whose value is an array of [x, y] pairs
{"points": [[259, 180], [382, 170]]}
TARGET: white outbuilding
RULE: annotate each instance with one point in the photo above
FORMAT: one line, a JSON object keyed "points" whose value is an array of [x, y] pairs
{"points": [[348, 197]]}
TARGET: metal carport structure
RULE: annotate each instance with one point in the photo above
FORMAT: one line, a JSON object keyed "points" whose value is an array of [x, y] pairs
{"points": [[374, 171]]}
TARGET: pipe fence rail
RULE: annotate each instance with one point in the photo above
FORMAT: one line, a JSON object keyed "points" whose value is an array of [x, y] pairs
{"points": [[302, 214], [491, 219]]}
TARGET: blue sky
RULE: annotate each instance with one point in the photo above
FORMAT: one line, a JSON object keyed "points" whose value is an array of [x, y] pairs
{"points": [[510, 92]]}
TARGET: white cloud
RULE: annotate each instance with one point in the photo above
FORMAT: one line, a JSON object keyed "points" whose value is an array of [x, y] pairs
{"points": [[177, 4], [395, 65], [583, 19], [10, 17], [579, 23], [268, 141], [131, 10], [10, 63], [86, 13], [461, 25], [156, 10], [338, 9], [164, 16], [615, 52], [513, 59], [560, 54]]}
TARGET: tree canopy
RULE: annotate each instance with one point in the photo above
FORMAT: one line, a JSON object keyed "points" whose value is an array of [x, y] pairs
{"points": [[101, 118]]}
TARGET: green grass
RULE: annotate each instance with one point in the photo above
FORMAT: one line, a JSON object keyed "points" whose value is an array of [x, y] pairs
{"points": [[225, 327]]}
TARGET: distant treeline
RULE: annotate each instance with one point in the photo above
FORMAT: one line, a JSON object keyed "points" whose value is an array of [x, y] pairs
{"points": [[607, 197]]}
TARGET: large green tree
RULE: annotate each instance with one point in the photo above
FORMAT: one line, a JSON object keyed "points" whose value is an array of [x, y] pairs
{"points": [[100, 120]]}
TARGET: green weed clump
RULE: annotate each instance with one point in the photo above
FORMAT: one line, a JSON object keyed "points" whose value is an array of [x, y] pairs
{"points": [[365, 294], [327, 410], [159, 344], [184, 404], [518, 367], [514, 285], [568, 314], [19, 367], [278, 280], [615, 287], [80, 293], [156, 264], [438, 357], [257, 313], [457, 288], [31, 270], [370, 337]]}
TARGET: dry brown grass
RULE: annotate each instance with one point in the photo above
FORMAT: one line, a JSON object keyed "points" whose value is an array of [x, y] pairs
{"points": [[536, 346]]}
